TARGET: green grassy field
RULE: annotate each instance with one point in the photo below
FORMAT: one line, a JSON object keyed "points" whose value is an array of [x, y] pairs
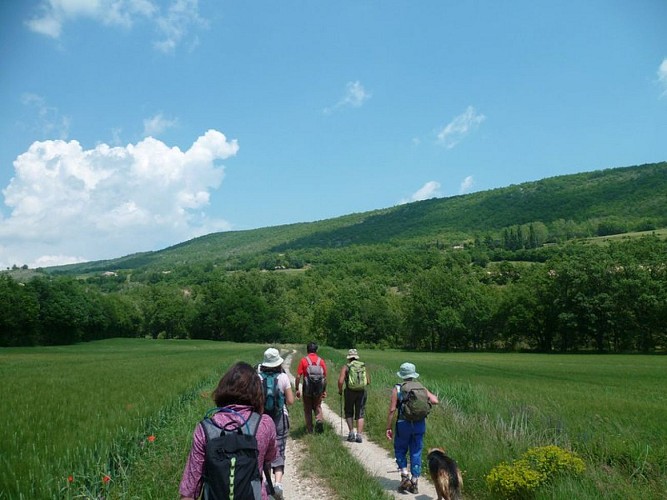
{"points": [[610, 410], [157, 473], [73, 415], [91, 410], [660, 233]]}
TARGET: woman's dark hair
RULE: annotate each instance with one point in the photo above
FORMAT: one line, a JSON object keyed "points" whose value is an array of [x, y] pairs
{"points": [[241, 385], [271, 369], [311, 347]]}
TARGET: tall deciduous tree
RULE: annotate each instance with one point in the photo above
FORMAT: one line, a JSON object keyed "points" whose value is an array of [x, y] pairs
{"points": [[19, 314]]}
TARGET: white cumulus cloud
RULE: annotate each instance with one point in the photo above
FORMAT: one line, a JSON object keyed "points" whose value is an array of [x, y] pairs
{"points": [[662, 76], [176, 22], [454, 132], [68, 204], [354, 97], [171, 23], [429, 190], [466, 184], [155, 125], [46, 119]]}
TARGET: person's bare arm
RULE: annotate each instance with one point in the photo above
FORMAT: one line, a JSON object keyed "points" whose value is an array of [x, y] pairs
{"points": [[289, 396], [341, 379], [297, 381], [390, 416]]}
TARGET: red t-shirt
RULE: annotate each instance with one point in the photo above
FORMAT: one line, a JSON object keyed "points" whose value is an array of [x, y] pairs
{"points": [[301, 370]]}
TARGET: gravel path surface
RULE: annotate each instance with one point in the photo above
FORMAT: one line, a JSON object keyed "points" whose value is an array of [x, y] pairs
{"points": [[378, 462]]}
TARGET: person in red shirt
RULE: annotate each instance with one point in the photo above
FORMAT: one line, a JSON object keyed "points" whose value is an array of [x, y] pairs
{"points": [[312, 392]]}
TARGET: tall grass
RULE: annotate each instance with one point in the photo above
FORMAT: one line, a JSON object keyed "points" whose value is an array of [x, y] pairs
{"points": [[88, 411], [75, 417], [493, 407], [157, 473]]}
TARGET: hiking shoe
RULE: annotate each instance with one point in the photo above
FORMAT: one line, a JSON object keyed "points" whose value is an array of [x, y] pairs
{"points": [[278, 491], [413, 487], [405, 484], [350, 437], [358, 440], [319, 427]]}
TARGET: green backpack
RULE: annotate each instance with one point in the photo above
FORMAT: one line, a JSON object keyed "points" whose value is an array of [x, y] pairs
{"points": [[414, 401], [356, 375]]}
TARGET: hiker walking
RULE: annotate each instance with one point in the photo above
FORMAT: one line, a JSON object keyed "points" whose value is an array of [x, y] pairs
{"points": [[229, 463], [413, 402], [277, 396], [355, 378], [313, 371]]}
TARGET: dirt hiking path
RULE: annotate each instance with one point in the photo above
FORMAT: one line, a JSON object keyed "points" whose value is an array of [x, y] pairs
{"points": [[377, 461]]}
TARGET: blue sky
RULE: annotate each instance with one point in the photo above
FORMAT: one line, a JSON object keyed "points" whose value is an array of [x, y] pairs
{"points": [[132, 125]]}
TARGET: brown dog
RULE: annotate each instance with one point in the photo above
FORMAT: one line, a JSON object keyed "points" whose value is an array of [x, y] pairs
{"points": [[445, 474]]}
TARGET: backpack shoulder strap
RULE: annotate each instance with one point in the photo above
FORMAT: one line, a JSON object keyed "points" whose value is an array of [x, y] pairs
{"points": [[399, 400], [402, 390], [252, 423], [310, 361], [211, 430]]}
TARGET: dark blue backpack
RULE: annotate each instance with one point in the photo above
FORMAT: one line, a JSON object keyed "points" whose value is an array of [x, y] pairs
{"points": [[274, 398]]}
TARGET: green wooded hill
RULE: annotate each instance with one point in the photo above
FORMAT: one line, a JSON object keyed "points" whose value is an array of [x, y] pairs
{"points": [[543, 266], [599, 203]]}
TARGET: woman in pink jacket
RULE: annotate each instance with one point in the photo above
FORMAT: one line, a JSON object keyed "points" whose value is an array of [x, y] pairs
{"points": [[239, 393]]}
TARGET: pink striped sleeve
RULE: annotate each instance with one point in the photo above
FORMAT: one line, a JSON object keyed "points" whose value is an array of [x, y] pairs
{"points": [[266, 440], [191, 482]]}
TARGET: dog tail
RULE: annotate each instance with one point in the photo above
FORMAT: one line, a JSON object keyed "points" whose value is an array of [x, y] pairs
{"points": [[455, 480], [442, 480]]}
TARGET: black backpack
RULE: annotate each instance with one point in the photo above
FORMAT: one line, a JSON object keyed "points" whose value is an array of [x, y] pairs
{"points": [[314, 381], [230, 462]]}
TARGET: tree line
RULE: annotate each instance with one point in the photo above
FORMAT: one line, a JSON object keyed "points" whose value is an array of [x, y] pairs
{"points": [[577, 297]]}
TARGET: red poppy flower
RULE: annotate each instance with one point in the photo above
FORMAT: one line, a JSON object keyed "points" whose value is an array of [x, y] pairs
{"points": [[70, 479], [106, 479], [151, 438]]}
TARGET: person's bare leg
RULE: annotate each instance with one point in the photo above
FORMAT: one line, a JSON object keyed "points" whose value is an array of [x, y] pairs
{"points": [[278, 473]]}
